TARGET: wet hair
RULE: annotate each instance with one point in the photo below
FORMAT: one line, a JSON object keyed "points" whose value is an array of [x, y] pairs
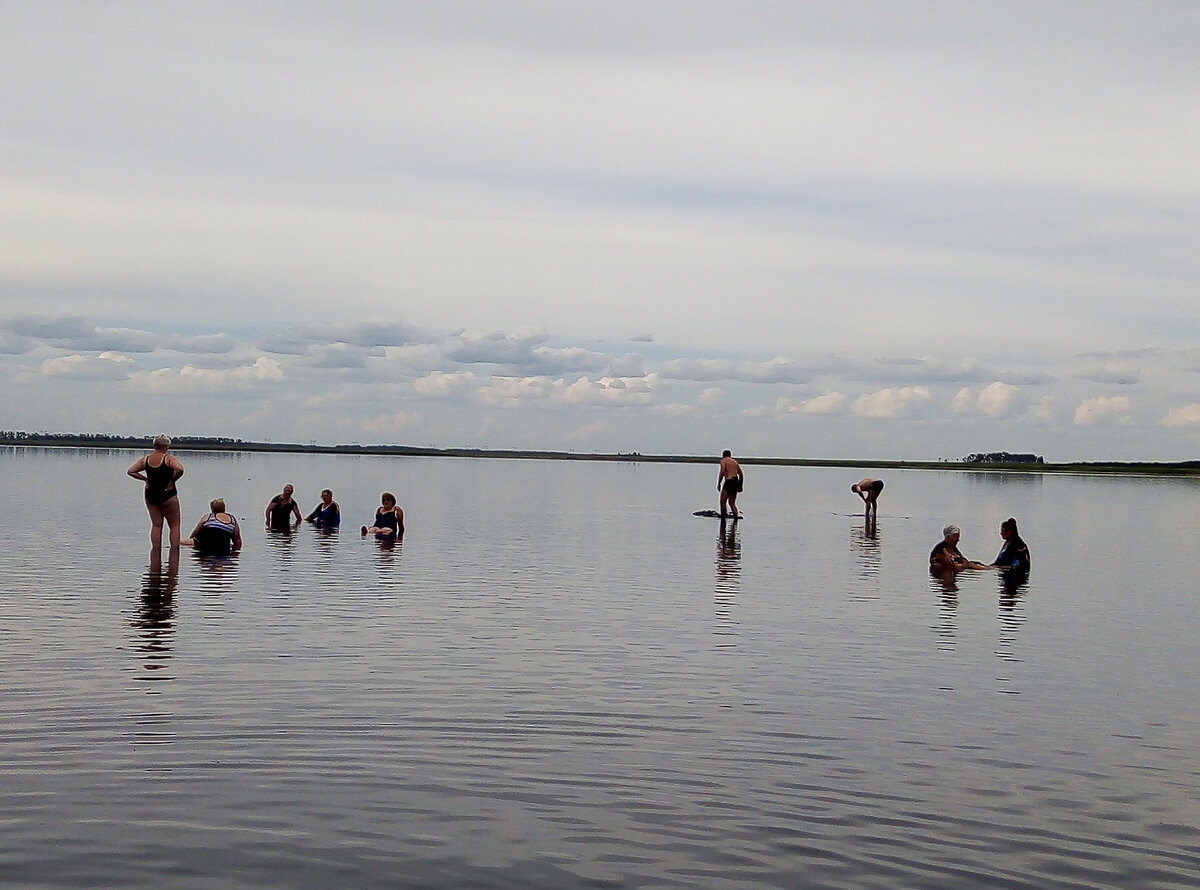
{"points": [[387, 498], [1010, 524], [726, 453], [162, 441], [217, 505]]}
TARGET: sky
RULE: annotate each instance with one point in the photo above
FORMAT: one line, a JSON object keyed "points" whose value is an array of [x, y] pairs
{"points": [[860, 230]]}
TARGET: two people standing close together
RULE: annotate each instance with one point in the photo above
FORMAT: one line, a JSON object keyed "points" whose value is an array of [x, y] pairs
{"points": [[219, 531]]}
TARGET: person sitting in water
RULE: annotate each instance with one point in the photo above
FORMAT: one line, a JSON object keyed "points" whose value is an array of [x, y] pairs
{"points": [[868, 489], [1014, 555], [945, 556], [282, 508], [389, 519], [218, 533], [326, 514]]}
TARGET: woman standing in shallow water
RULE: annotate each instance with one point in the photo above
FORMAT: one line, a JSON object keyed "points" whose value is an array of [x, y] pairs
{"points": [[159, 472]]}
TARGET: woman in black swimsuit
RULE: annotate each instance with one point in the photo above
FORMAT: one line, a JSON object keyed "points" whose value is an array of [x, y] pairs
{"points": [[159, 472]]}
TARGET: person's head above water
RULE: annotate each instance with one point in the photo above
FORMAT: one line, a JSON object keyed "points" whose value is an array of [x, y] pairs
{"points": [[387, 499], [950, 531], [726, 453], [162, 442], [217, 505]]}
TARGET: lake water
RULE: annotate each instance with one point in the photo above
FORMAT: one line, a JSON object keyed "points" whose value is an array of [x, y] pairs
{"points": [[562, 679]]}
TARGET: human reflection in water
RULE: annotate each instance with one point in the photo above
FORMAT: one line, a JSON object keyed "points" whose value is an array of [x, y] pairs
{"points": [[155, 616], [1012, 612], [728, 574], [866, 543]]}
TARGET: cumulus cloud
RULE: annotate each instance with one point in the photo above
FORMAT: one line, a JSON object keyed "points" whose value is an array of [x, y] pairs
{"points": [[1184, 415], [1102, 409], [494, 348], [189, 379], [890, 402], [105, 366], [368, 335], [1041, 411], [994, 400], [440, 384], [826, 403], [513, 391]]}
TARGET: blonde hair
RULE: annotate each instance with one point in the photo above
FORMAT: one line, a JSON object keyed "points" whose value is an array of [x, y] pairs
{"points": [[217, 505], [162, 442]]}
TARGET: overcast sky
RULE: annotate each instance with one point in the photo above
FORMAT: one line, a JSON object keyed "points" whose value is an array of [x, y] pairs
{"points": [[860, 230]]}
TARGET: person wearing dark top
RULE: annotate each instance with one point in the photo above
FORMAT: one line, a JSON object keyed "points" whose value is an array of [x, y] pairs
{"points": [[218, 533], [326, 514], [282, 508], [389, 519], [159, 471], [1014, 555], [945, 555]]}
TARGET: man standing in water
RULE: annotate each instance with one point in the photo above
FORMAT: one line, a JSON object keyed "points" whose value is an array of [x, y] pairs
{"points": [[729, 482], [868, 489]]}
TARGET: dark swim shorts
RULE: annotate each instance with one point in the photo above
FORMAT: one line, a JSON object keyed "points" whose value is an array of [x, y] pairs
{"points": [[877, 485], [732, 486]]}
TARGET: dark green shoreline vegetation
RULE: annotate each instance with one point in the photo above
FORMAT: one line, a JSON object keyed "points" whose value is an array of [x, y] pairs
{"points": [[220, 443]]}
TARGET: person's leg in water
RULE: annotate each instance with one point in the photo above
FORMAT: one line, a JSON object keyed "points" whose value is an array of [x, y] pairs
{"points": [[156, 524], [172, 514], [733, 505], [724, 499]]}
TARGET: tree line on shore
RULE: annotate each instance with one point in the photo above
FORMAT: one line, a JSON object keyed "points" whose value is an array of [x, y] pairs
{"points": [[999, 461]]}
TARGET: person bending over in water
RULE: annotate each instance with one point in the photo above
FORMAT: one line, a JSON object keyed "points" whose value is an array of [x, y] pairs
{"points": [[730, 480], [326, 514], [282, 508], [389, 519], [1014, 555], [218, 533], [159, 471], [868, 489], [945, 555]]}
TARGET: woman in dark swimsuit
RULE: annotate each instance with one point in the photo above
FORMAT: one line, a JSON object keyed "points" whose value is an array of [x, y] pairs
{"points": [[159, 471], [389, 519]]}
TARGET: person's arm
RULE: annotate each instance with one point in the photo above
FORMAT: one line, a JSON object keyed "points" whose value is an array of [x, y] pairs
{"points": [[296, 512], [312, 517], [399, 523], [199, 525], [267, 512], [237, 534], [177, 467], [136, 471]]}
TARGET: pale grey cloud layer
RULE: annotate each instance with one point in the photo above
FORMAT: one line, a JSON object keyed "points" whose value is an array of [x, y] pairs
{"points": [[862, 230]]}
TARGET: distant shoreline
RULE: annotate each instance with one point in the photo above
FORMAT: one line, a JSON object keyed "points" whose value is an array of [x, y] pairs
{"points": [[199, 443]]}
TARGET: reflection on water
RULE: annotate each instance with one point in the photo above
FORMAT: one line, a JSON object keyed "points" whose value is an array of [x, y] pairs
{"points": [[1011, 612], [728, 565], [868, 550], [154, 617]]}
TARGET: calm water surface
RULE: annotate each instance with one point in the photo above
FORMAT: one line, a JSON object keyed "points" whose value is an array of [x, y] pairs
{"points": [[561, 679]]}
